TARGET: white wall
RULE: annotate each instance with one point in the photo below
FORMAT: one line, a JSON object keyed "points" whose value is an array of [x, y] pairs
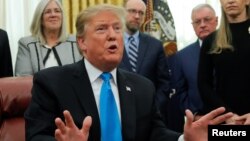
{"points": [[15, 18]]}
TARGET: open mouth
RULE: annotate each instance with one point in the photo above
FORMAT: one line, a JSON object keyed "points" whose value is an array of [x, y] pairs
{"points": [[112, 48]]}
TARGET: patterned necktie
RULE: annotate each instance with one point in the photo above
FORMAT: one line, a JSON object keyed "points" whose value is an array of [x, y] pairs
{"points": [[110, 123], [132, 53]]}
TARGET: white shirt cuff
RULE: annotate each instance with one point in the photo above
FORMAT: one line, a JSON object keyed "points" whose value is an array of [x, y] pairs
{"points": [[181, 138]]}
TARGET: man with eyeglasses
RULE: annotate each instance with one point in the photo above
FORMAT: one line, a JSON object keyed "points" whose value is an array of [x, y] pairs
{"points": [[149, 59], [184, 64]]}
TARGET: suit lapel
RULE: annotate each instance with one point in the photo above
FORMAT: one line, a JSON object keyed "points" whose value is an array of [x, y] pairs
{"points": [[143, 45], [196, 51], [127, 105], [125, 61], [84, 92]]}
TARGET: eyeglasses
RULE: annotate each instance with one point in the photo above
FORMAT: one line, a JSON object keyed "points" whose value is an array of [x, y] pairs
{"points": [[134, 12], [205, 20], [50, 11]]}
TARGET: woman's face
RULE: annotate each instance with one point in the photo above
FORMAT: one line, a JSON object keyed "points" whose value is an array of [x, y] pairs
{"points": [[235, 9], [52, 17]]}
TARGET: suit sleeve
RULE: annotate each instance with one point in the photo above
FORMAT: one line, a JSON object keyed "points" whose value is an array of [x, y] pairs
{"points": [[162, 76], [41, 113], [23, 60], [160, 132], [6, 61], [178, 82]]}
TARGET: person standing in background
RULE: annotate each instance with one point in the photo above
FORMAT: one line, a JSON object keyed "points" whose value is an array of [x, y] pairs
{"points": [[149, 59], [185, 66], [49, 45], [5, 55], [68, 103], [223, 72]]}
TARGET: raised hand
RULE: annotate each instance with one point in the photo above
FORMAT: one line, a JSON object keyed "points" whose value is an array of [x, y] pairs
{"points": [[198, 130], [68, 131]]}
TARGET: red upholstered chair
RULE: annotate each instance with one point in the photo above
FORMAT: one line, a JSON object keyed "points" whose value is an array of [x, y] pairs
{"points": [[15, 96]]}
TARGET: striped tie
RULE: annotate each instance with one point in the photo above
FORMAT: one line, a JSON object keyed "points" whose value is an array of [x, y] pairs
{"points": [[132, 53]]}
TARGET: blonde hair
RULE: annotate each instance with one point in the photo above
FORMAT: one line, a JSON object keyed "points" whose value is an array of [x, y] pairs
{"points": [[223, 37], [36, 28], [85, 16]]}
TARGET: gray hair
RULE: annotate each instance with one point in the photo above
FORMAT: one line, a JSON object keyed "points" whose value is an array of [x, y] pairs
{"points": [[201, 6], [36, 28], [85, 16]]}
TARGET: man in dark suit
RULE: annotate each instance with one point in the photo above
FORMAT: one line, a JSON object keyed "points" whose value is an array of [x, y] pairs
{"points": [[185, 64], [151, 60], [5, 55], [66, 101]]}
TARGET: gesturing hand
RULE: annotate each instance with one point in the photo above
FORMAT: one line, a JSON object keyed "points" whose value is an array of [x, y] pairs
{"points": [[198, 130], [68, 131]]}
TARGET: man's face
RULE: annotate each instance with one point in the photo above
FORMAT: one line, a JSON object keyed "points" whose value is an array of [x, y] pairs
{"points": [[135, 15], [204, 22], [102, 45]]}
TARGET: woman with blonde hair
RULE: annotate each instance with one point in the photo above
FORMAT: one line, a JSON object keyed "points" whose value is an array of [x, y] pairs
{"points": [[223, 72], [49, 45]]}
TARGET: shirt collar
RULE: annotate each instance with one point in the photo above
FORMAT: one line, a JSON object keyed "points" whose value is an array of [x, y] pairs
{"points": [[200, 42], [94, 73], [126, 36]]}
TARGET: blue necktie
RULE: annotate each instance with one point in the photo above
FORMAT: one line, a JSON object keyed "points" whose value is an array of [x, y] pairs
{"points": [[110, 123], [132, 53]]}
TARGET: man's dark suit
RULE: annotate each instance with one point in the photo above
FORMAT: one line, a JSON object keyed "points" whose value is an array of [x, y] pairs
{"points": [[151, 63], [184, 66], [184, 77], [68, 88], [5, 55]]}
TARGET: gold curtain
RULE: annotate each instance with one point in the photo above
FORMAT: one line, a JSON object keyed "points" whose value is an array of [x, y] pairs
{"points": [[73, 7]]}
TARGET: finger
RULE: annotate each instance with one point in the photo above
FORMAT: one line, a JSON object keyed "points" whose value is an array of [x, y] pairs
{"points": [[60, 125], [58, 135], [241, 117], [211, 115], [87, 122], [189, 116], [68, 119], [221, 118], [239, 122], [247, 122]]}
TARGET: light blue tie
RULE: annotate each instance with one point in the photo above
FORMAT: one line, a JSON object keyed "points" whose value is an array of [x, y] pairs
{"points": [[132, 53], [110, 123]]}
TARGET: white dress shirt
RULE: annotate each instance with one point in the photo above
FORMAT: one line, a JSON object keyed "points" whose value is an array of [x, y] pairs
{"points": [[96, 83]]}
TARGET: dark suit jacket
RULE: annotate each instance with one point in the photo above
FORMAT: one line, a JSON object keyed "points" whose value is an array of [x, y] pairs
{"points": [[68, 87], [151, 63], [5, 55], [184, 77]]}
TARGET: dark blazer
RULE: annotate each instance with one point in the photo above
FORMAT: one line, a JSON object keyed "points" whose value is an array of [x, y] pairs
{"points": [[5, 55], [151, 63], [184, 77], [68, 87], [183, 80]]}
